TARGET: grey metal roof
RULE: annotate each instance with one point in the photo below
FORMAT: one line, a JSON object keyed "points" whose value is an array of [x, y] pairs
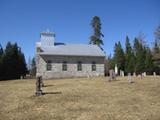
{"points": [[72, 50]]}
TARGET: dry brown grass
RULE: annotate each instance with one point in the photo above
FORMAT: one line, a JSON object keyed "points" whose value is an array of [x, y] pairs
{"points": [[81, 99]]}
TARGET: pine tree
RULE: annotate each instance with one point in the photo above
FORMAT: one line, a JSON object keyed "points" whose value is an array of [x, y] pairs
{"points": [[22, 63], [139, 56], [97, 34], [119, 57], [111, 63], [148, 61], [157, 36], [33, 67], [10, 61], [156, 58], [1, 62], [13, 62], [129, 57]]}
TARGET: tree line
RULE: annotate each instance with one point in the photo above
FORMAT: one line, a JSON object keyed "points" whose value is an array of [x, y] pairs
{"points": [[12, 62], [136, 58]]}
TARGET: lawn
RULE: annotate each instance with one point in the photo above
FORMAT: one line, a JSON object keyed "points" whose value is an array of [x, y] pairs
{"points": [[81, 99]]}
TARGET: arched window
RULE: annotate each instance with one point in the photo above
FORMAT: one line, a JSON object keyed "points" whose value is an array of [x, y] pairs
{"points": [[93, 66], [49, 65], [64, 66], [79, 66]]}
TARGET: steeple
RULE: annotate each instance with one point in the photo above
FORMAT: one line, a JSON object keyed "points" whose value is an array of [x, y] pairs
{"points": [[47, 38]]}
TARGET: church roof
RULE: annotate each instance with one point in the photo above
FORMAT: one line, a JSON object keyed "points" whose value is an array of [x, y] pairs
{"points": [[72, 50]]}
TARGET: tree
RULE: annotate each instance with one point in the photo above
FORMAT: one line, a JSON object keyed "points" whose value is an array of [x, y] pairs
{"points": [[1, 50], [33, 67], [157, 36], [139, 53], [29, 65], [119, 57], [22, 64], [111, 63], [1, 62], [10, 61], [13, 62], [129, 57], [148, 61], [156, 51], [97, 34]]}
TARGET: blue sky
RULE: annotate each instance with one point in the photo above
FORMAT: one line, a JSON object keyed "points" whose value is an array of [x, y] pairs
{"points": [[22, 21]]}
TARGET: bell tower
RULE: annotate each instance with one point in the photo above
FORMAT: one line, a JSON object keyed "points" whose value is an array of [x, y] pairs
{"points": [[47, 38]]}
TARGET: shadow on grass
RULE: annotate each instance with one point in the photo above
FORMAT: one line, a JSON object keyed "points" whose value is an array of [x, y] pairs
{"points": [[48, 85], [52, 93]]}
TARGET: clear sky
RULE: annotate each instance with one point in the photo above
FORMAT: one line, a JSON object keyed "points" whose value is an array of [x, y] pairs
{"points": [[22, 21]]}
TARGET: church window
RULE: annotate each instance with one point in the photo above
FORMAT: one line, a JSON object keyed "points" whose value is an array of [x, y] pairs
{"points": [[49, 65], [79, 66], [64, 66], [93, 66]]}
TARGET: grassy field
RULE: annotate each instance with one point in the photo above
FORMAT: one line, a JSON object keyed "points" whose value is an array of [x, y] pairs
{"points": [[81, 99]]}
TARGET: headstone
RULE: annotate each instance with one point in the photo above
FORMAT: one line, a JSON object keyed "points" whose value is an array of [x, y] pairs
{"points": [[130, 78], [154, 73], [116, 69], [112, 75], [41, 80], [39, 86], [21, 77], [144, 74], [134, 74], [140, 76], [122, 73]]}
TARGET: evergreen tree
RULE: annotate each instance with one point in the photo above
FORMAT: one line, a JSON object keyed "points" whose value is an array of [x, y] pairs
{"points": [[22, 64], [157, 36], [148, 61], [129, 57], [29, 65], [156, 58], [119, 57], [139, 56], [33, 67], [1, 62], [1, 50], [97, 34], [13, 62], [111, 63], [10, 61]]}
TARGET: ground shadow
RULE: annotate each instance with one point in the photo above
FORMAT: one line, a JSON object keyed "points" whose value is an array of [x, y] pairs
{"points": [[52, 93], [48, 85]]}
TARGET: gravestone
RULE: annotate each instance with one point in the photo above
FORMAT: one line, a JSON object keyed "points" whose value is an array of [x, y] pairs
{"points": [[116, 69], [134, 74], [41, 81], [39, 86], [112, 75], [144, 74], [154, 74], [130, 78], [122, 73]]}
